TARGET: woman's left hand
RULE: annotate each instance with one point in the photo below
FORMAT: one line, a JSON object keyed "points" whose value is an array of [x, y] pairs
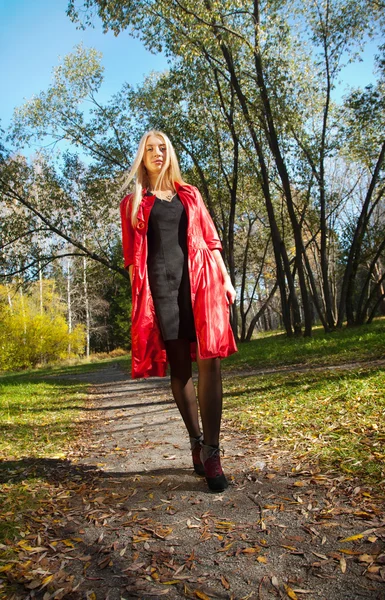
{"points": [[229, 290]]}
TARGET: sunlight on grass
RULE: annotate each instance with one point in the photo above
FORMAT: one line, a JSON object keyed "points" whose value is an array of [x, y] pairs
{"points": [[337, 417], [343, 346], [37, 417]]}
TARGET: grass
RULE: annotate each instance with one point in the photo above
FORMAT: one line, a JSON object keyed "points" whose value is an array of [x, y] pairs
{"points": [[38, 416], [336, 417], [353, 344]]}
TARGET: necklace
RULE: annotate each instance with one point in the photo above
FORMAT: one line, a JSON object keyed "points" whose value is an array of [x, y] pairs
{"points": [[165, 196]]}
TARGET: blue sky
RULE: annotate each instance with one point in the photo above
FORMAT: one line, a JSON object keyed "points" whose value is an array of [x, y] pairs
{"points": [[35, 34]]}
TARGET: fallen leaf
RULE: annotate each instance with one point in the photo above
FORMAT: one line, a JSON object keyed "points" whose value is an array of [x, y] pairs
{"points": [[367, 558], [320, 555], [274, 582], [342, 564], [134, 567], [201, 595], [32, 585], [225, 583], [291, 593], [5, 568], [352, 538]]}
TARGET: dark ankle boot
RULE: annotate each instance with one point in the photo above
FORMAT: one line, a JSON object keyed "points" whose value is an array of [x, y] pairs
{"points": [[215, 477], [196, 445]]}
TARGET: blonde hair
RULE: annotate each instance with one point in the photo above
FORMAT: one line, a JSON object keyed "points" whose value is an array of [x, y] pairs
{"points": [[169, 174]]}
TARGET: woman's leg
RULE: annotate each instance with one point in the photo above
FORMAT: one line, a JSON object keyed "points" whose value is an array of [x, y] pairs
{"points": [[210, 403], [210, 398], [178, 354]]}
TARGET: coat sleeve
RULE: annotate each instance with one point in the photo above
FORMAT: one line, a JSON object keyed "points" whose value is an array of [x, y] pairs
{"points": [[127, 232], [209, 231]]}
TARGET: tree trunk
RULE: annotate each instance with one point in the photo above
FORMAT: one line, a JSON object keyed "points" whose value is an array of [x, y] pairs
{"points": [[272, 138], [261, 312], [69, 305], [86, 307], [40, 287], [348, 281], [373, 267]]}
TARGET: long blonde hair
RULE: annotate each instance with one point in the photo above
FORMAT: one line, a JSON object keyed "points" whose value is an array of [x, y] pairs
{"points": [[169, 174]]}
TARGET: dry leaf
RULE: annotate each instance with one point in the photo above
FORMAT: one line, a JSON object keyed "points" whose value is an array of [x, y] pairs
{"points": [[352, 538], [5, 568], [342, 564], [367, 558], [291, 593], [372, 539], [320, 555], [32, 585], [201, 595], [262, 559], [225, 583], [274, 582]]}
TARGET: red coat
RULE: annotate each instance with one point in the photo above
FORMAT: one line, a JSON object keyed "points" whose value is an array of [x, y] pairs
{"points": [[210, 305]]}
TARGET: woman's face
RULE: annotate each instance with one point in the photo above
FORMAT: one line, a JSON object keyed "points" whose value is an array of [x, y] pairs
{"points": [[154, 155]]}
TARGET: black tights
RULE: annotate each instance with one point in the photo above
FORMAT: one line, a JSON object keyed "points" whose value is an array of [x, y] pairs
{"points": [[209, 390]]}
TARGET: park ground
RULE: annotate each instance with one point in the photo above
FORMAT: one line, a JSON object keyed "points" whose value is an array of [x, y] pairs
{"points": [[99, 499]]}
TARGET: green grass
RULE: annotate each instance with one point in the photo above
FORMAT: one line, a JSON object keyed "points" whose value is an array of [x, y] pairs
{"points": [[353, 344], [38, 416], [334, 417]]}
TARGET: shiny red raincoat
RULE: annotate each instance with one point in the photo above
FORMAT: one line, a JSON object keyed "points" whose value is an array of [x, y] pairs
{"points": [[210, 305]]}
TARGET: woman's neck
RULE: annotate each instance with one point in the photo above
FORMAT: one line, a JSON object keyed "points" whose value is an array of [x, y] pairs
{"points": [[164, 187]]}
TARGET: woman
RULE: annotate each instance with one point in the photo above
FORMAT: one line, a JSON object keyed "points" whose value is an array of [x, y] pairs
{"points": [[180, 294]]}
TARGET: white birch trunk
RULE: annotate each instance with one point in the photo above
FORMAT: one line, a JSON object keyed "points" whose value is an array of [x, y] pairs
{"points": [[41, 287], [69, 304], [87, 306]]}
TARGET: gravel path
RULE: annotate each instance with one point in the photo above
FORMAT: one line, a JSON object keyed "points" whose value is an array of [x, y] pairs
{"points": [[149, 527]]}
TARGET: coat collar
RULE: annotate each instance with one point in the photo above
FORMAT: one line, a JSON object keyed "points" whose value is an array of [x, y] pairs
{"points": [[148, 200]]}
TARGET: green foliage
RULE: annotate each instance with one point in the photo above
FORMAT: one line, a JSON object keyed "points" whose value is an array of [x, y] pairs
{"points": [[31, 333]]}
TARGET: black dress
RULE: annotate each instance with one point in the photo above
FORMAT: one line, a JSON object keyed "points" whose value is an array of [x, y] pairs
{"points": [[168, 269]]}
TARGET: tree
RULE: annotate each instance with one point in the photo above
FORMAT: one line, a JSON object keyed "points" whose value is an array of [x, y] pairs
{"points": [[253, 47], [29, 336]]}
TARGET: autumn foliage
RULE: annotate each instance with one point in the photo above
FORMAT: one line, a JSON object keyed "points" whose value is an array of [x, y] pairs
{"points": [[33, 328]]}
